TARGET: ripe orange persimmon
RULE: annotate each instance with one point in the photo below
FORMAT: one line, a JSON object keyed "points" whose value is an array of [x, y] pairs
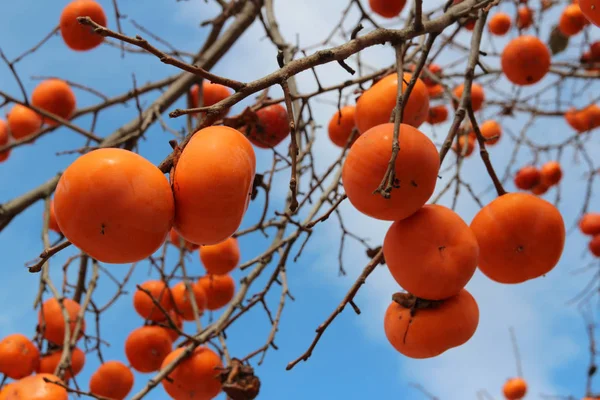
{"points": [[551, 173], [376, 104], [341, 125], [212, 184], [416, 169], [524, 17], [594, 245], [437, 115], [577, 119], [421, 335], [572, 21], [19, 357], [470, 24], [34, 387], [433, 69], [23, 122], [146, 348], [3, 140], [220, 258], [477, 95], [589, 224], [527, 177], [387, 8], [271, 128], [212, 93], [515, 389], [196, 377], [144, 305], [465, 145], [54, 321], [112, 379], [540, 189], [432, 254], [499, 24], [54, 96], [114, 205], [435, 91], [525, 60], [182, 300], [75, 35], [219, 290], [521, 237], [52, 224], [590, 10], [49, 363], [491, 129], [177, 241]]}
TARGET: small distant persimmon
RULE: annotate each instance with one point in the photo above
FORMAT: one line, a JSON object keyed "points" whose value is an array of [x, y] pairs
{"points": [[499, 24], [272, 126], [524, 17], [572, 21], [437, 115], [464, 145], [183, 302], [491, 131], [219, 290], [3, 140], [212, 93], [435, 91], [477, 95], [433, 69], [54, 96], [341, 126], [75, 35], [51, 316], [35, 387], [49, 363], [527, 177], [23, 122], [112, 379], [145, 307], [540, 189], [220, 258], [594, 245], [589, 224], [551, 173], [19, 356], [525, 60], [515, 389], [146, 348]]}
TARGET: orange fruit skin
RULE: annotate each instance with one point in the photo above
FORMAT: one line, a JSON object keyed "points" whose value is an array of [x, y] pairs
{"points": [[525, 60], [527, 177], [551, 173], [271, 128], [113, 379], [589, 224], [219, 290], [177, 320], [52, 224], [145, 307], [212, 185], [4, 140], [540, 189], [19, 357], [499, 24], [417, 167], [49, 363], [212, 93], [435, 91], [585, 119], [55, 322], [387, 8], [515, 389], [572, 21], [146, 348], [375, 106], [491, 129], [181, 298], [591, 10], [459, 147], [521, 237], [594, 245], [431, 254], [176, 240], [80, 37], [114, 205], [432, 331], [220, 258], [524, 17], [196, 377], [477, 95], [437, 115], [35, 388], [54, 96], [340, 128], [435, 70], [23, 122]]}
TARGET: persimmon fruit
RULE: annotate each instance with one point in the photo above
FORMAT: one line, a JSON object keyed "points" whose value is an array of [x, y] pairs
{"points": [[551, 173], [271, 127], [54, 96], [146, 348], [114, 205], [145, 307], [19, 356], [212, 93], [387, 8], [416, 169], [477, 95], [112, 379], [75, 35], [50, 362], [196, 377], [594, 245], [54, 322], [341, 125], [183, 302], [219, 290], [437, 115], [499, 24], [432, 254], [23, 122], [520, 236], [514, 389], [525, 60], [527, 177], [589, 224], [220, 258], [176, 240], [212, 184]]}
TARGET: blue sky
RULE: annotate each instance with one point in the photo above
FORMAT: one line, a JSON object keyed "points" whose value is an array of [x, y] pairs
{"points": [[353, 359]]}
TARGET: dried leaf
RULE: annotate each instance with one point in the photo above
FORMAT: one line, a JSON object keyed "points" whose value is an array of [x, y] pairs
{"points": [[557, 42]]}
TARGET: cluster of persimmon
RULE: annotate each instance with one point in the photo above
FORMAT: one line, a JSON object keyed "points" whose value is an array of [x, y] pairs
{"points": [[538, 180], [589, 224]]}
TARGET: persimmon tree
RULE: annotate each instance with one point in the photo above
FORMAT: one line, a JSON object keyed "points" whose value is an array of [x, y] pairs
{"points": [[406, 130]]}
